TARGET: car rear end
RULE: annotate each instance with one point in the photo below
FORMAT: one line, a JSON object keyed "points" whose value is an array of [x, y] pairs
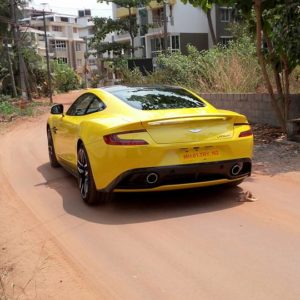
{"points": [[174, 148]]}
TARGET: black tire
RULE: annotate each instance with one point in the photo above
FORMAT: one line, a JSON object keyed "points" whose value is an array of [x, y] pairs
{"points": [[86, 183], [52, 156]]}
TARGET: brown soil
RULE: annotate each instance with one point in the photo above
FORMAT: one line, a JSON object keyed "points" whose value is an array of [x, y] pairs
{"points": [[32, 265], [201, 244], [273, 153]]}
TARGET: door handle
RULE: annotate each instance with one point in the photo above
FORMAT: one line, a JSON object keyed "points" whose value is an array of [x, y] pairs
{"points": [[54, 129]]}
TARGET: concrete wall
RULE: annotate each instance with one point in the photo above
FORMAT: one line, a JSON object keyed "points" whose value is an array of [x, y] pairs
{"points": [[257, 107]]}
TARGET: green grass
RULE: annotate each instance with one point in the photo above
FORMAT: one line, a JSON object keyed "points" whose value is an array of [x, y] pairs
{"points": [[10, 109]]}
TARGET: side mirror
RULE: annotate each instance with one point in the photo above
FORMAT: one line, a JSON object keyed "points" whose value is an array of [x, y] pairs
{"points": [[57, 109]]}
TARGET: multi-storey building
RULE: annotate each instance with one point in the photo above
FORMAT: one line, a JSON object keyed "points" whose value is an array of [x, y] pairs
{"points": [[86, 32], [65, 43], [185, 25]]}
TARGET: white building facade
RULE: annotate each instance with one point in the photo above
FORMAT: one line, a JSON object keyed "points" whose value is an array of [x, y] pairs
{"points": [[64, 42], [185, 25]]}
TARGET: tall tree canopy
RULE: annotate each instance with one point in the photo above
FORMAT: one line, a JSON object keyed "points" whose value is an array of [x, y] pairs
{"points": [[278, 45], [103, 26]]}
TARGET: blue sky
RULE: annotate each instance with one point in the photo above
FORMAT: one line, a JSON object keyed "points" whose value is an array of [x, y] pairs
{"points": [[72, 6]]}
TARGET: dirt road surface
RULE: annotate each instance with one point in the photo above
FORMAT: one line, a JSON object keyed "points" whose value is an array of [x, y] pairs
{"points": [[200, 244]]}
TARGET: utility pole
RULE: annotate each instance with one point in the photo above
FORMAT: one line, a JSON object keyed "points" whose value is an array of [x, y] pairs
{"points": [[11, 72], [165, 26], [16, 33], [47, 59], [85, 61]]}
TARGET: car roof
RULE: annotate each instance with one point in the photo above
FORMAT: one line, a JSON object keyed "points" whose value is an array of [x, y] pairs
{"points": [[116, 88]]}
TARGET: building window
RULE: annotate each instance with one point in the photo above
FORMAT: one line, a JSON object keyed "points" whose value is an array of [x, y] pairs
{"points": [[75, 30], [157, 17], [58, 45], [157, 46], [175, 42], [92, 61], [61, 45], [225, 14], [41, 38], [91, 31], [78, 46], [57, 28], [62, 60], [50, 19], [81, 13], [87, 12], [64, 19], [224, 40], [143, 21], [79, 62]]}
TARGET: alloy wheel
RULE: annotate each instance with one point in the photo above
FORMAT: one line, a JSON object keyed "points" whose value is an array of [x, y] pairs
{"points": [[50, 143], [83, 171]]}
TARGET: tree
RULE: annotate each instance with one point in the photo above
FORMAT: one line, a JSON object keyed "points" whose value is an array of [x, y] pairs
{"points": [[5, 33], [127, 24], [104, 26], [9, 27], [277, 45]]}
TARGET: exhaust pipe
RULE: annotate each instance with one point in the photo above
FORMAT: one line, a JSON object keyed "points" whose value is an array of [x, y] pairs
{"points": [[152, 178], [236, 169]]}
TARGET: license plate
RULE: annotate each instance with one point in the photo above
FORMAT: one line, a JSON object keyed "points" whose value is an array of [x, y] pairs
{"points": [[199, 154]]}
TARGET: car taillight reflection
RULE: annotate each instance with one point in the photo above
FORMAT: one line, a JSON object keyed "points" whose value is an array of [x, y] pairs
{"points": [[114, 139]]}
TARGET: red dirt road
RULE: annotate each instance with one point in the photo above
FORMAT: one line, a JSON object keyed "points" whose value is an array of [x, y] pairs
{"points": [[201, 244]]}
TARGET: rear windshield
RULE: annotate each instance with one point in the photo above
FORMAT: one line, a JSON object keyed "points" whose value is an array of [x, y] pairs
{"points": [[157, 98]]}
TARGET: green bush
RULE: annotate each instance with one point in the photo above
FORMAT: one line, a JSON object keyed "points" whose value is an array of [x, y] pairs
{"points": [[65, 78], [134, 76], [6, 106], [221, 69]]}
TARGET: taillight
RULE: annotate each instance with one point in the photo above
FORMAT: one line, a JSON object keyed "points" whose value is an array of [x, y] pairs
{"points": [[246, 133], [114, 139]]}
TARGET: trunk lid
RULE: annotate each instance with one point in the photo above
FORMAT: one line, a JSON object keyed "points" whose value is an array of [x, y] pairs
{"points": [[199, 126]]}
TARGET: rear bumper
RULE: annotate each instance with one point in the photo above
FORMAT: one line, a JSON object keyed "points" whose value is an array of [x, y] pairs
{"points": [[181, 176]]}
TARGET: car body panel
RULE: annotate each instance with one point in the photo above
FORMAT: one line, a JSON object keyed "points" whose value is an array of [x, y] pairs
{"points": [[174, 187], [173, 136]]}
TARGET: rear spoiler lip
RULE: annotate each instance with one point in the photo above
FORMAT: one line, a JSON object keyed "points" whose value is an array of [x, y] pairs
{"points": [[183, 119]]}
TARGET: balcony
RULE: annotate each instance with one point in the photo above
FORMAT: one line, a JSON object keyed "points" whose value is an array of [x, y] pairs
{"points": [[124, 12], [123, 35], [157, 22], [155, 4]]}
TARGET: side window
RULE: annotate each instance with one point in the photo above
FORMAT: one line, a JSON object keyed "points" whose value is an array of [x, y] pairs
{"points": [[85, 104], [95, 105], [79, 107]]}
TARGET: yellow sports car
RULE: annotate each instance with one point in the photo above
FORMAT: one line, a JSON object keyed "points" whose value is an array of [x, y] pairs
{"points": [[148, 138]]}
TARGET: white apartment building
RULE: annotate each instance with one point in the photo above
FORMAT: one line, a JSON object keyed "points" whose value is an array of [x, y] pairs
{"points": [[185, 25], [86, 32], [64, 41]]}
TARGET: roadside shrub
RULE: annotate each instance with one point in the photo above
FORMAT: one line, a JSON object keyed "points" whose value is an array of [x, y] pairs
{"points": [[132, 76], [295, 80], [65, 78], [11, 108], [233, 68], [6, 106]]}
